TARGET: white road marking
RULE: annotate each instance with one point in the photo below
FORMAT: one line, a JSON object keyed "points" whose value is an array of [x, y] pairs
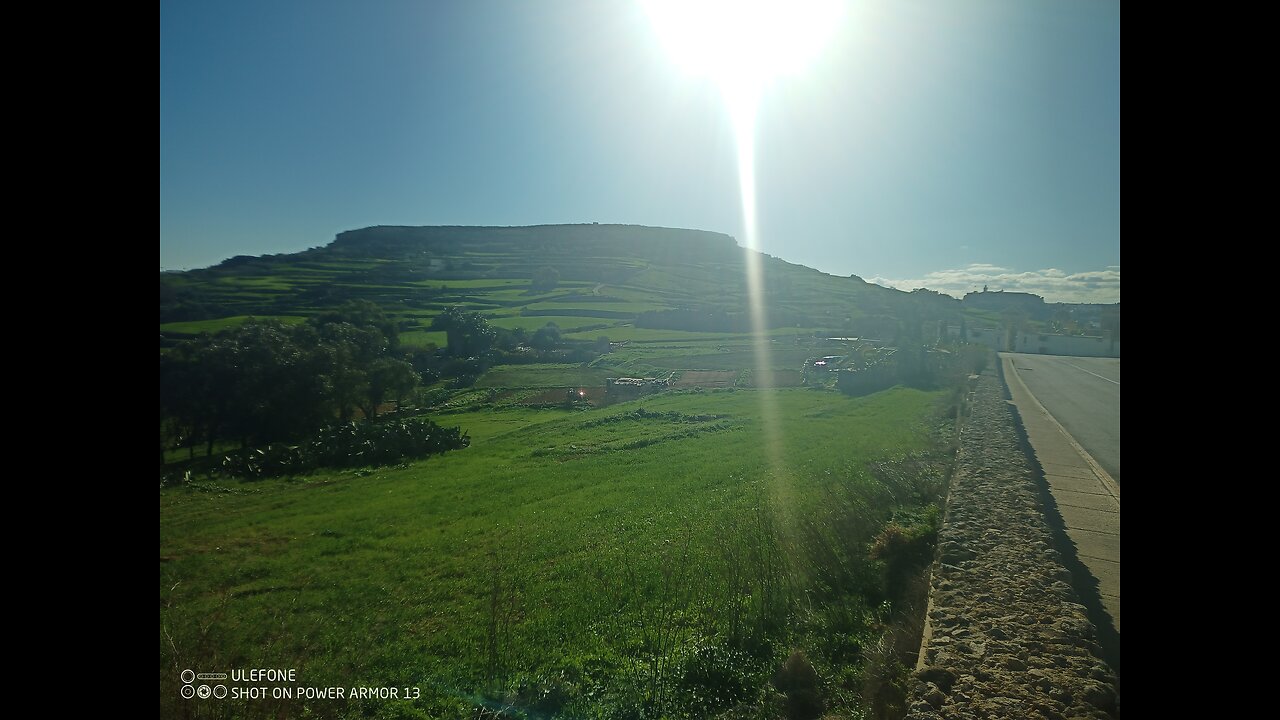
{"points": [[1114, 382]]}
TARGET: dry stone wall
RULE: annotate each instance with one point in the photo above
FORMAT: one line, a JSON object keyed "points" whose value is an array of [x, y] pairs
{"points": [[1006, 635]]}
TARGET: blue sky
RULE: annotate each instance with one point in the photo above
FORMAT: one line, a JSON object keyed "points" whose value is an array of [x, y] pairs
{"points": [[934, 144]]}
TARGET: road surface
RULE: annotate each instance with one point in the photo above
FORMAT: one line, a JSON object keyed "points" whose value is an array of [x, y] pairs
{"points": [[1083, 394]]}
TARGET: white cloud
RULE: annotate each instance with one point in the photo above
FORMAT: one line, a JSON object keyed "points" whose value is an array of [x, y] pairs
{"points": [[1095, 286]]}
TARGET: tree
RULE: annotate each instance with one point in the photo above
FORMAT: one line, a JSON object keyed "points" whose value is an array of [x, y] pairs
{"points": [[341, 358], [180, 414], [468, 333], [362, 314], [509, 339], [365, 343], [387, 376], [546, 337], [256, 382], [209, 402], [545, 279], [264, 381]]}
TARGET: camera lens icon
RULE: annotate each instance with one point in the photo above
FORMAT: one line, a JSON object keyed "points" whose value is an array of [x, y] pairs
{"points": [[219, 691], [188, 692], [203, 691], [187, 676]]}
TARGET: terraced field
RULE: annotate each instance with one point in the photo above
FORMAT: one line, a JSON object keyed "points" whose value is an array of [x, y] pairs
{"points": [[639, 283]]}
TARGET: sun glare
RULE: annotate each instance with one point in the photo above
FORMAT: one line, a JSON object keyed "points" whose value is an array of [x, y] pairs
{"points": [[742, 44]]}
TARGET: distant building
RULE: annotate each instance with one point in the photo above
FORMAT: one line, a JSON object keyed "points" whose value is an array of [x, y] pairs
{"points": [[1033, 305], [1077, 345], [1041, 343], [994, 338]]}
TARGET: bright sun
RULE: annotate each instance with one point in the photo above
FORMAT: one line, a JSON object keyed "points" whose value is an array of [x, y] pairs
{"points": [[742, 44]]}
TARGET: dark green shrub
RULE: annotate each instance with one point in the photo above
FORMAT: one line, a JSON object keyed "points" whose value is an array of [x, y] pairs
{"points": [[714, 677], [348, 445], [799, 682], [904, 550]]}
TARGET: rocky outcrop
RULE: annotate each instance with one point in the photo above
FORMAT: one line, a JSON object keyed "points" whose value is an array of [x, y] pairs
{"points": [[1006, 635]]}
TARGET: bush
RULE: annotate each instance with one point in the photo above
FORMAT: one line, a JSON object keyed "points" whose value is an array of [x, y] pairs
{"points": [[904, 549], [799, 681], [714, 677], [348, 445]]}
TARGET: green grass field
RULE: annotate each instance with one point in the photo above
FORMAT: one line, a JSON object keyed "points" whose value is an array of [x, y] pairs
{"points": [[421, 338], [543, 375], [619, 306], [629, 332], [538, 565], [650, 335], [658, 558], [781, 358], [195, 327], [486, 284], [563, 322]]}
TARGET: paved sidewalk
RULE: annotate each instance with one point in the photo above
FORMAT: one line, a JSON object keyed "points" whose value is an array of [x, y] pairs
{"points": [[1087, 497]]}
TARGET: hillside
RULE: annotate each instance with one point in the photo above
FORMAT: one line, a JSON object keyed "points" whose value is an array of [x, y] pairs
{"points": [[621, 278], [498, 524]]}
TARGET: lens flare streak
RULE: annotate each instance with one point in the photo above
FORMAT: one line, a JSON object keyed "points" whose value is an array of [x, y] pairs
{"points": [[741, 103]]}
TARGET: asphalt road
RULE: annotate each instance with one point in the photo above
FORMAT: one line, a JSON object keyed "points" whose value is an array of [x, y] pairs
{"points": [[1083, 394]]}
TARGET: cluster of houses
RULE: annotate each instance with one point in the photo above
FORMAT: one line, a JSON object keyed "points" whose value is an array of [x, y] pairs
{"points": [[881, 367], [1002, 339]]}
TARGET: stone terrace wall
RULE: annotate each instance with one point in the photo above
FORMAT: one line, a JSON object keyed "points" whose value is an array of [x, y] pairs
{"points": [[1006, 636]]}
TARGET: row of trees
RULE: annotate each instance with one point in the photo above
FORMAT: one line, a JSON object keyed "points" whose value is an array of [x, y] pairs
{"points": [[265, 381], [469, 334], [474, 345]]}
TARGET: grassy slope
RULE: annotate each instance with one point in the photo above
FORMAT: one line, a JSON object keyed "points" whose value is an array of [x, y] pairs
{"points": [[390, 578], [195, 327], [543, 375], [619, 276], [552, 526]]}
